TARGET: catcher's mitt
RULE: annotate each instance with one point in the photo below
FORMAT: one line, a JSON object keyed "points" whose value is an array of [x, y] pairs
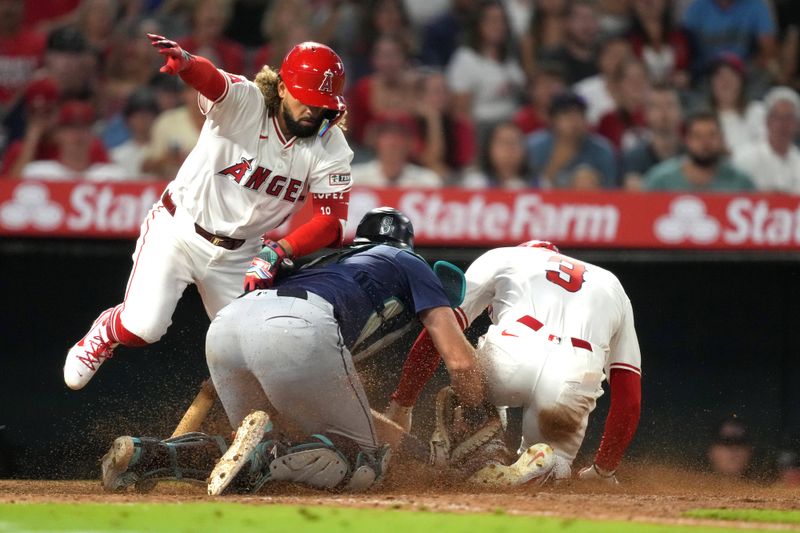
{"points": [[465, 438]]}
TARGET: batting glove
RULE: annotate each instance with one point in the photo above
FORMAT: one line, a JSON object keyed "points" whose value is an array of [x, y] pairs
{"points": [[264, 267], [595, 473], [177, 58], [400, 415]]}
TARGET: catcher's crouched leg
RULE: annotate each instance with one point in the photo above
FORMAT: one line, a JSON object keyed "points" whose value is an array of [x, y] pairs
{"points": [[141, 461], [257, 456]]}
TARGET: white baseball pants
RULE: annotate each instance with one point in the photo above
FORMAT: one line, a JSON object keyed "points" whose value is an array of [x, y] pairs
{"points": [[169, 256], [556, 384]]}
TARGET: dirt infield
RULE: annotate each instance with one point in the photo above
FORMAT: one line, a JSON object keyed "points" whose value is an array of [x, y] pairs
{"points": [[647, 494]]}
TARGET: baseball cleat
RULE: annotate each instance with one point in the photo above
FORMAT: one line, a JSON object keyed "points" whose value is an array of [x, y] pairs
{"points": [[115, 465], [534, 466], [240, 453], [89, 353]]}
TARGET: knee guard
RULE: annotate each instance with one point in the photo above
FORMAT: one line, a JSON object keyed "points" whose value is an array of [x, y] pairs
{"points": [[321, 465]]}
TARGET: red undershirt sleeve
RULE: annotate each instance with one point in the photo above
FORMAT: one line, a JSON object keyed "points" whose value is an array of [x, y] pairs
{"points": [[622, 420], [326, 227], [204, 76]]}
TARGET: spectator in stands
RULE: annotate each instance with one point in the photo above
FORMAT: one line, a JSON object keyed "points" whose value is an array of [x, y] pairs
{"points": [[568, 150], [96, 20], [731, 26], [577, 53], [625, 125], [613, 16], [483, 74], [503, 163], [774, 163], [731, 451], [140, 113], [38, 142], [283, 24], [168, 90], [447, 140], [788, 15], [663, 48], [704, 167], [442, 35], [21, 51], [73, 138], [45, 16], [207, 39], [664, 117], [174, 134], [546, 33], [392, 167], [742, 121], [389, 91], [71, 63], [380, 18], [546, 84], [598, 90]]}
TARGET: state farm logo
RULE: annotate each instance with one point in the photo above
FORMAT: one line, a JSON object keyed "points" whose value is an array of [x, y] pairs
{"points": [[687, 220], [30, 205]]}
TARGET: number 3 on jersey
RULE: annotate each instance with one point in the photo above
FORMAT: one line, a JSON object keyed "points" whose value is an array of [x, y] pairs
{"points": [[565, 272]]}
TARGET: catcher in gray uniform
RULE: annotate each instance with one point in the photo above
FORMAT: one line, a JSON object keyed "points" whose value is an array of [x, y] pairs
{"points": [[281, 363]]}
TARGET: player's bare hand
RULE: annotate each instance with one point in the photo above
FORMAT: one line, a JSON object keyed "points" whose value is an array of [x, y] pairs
{"points": [[177, 59], [596, 474], [264, 267], [400, 415]]}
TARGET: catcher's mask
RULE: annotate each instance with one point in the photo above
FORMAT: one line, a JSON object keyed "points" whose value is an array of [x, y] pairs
{"points": [[385, 225], [314, 75]]}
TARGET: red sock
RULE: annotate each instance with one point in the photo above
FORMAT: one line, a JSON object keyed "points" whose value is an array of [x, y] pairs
{"points": [[118, 333]]}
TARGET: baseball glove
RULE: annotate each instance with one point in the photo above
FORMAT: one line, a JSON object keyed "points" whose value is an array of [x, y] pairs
{"points": [[465, 438]]}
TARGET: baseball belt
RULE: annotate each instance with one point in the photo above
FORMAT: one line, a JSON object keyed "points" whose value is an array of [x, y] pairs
{"points": [[229, 243]]}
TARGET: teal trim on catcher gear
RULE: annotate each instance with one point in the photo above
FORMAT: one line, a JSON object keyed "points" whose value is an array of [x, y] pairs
{"points": [[453, 281], [141, 461], [255, 458]]}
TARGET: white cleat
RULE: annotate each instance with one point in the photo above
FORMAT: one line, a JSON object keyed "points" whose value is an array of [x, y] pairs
{"points": [[89, 353], [534, 467], [249, 434]]}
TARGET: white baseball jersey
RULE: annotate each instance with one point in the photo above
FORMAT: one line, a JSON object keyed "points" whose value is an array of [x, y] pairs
{"points": [[243, 177], [572, 298]]}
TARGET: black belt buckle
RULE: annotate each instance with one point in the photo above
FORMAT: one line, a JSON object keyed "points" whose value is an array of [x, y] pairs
{"points": [[292, 292]]}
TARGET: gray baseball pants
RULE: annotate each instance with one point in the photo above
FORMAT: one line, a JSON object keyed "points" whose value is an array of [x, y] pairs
{"points": [[282, 351]]}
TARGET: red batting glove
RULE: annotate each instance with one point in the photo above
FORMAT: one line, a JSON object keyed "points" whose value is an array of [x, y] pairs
{"points": [[177, 58], [264, 267]]}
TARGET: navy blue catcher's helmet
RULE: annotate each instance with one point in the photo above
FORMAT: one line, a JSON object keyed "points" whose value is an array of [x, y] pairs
{"points": [[385, 225]]}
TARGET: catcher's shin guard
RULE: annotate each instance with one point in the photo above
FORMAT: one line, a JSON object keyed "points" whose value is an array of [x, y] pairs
{"points": [[141, 461], [254, 458]]}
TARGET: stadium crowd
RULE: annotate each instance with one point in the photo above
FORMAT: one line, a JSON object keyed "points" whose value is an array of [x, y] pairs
{"points": [[567, 94]]}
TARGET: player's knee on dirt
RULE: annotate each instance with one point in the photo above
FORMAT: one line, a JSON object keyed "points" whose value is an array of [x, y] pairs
{"points": [[558, 422]]}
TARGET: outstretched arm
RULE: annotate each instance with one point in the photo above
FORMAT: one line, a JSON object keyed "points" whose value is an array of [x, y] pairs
{"points": [[196, 71]]}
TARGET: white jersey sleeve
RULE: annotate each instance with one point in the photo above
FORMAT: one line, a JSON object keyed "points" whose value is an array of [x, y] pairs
{"points": [[480, 277], [240, 107], [331, 170], [624, 345]]}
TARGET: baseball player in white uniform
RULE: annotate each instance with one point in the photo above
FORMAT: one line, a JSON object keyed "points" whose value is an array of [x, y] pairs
{"points": [[265, 147], [559, 327]]}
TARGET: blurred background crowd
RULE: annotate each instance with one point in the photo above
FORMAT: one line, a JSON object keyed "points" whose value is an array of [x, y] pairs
{"points": [[508, 94]]}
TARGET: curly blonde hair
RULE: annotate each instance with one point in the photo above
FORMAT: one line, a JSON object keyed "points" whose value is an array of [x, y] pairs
{"points": [[267, 81]]}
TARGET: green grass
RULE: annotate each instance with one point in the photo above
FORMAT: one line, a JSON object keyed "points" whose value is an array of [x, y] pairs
{"points": [[265, 518], [747, 515]]}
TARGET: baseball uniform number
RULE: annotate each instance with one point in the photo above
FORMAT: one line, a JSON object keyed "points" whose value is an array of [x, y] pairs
{"points": [[565, 272]]}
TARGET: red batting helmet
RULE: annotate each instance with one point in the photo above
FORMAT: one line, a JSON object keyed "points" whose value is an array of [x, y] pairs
{"points": [[314, 74], [541, 244]]}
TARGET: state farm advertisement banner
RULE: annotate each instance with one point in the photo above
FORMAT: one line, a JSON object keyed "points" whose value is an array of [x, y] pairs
{"points": [[450, 217]]}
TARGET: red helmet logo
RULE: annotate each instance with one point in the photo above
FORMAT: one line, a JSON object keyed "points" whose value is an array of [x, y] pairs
{"points": [[314, 75], [541, 244]]}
